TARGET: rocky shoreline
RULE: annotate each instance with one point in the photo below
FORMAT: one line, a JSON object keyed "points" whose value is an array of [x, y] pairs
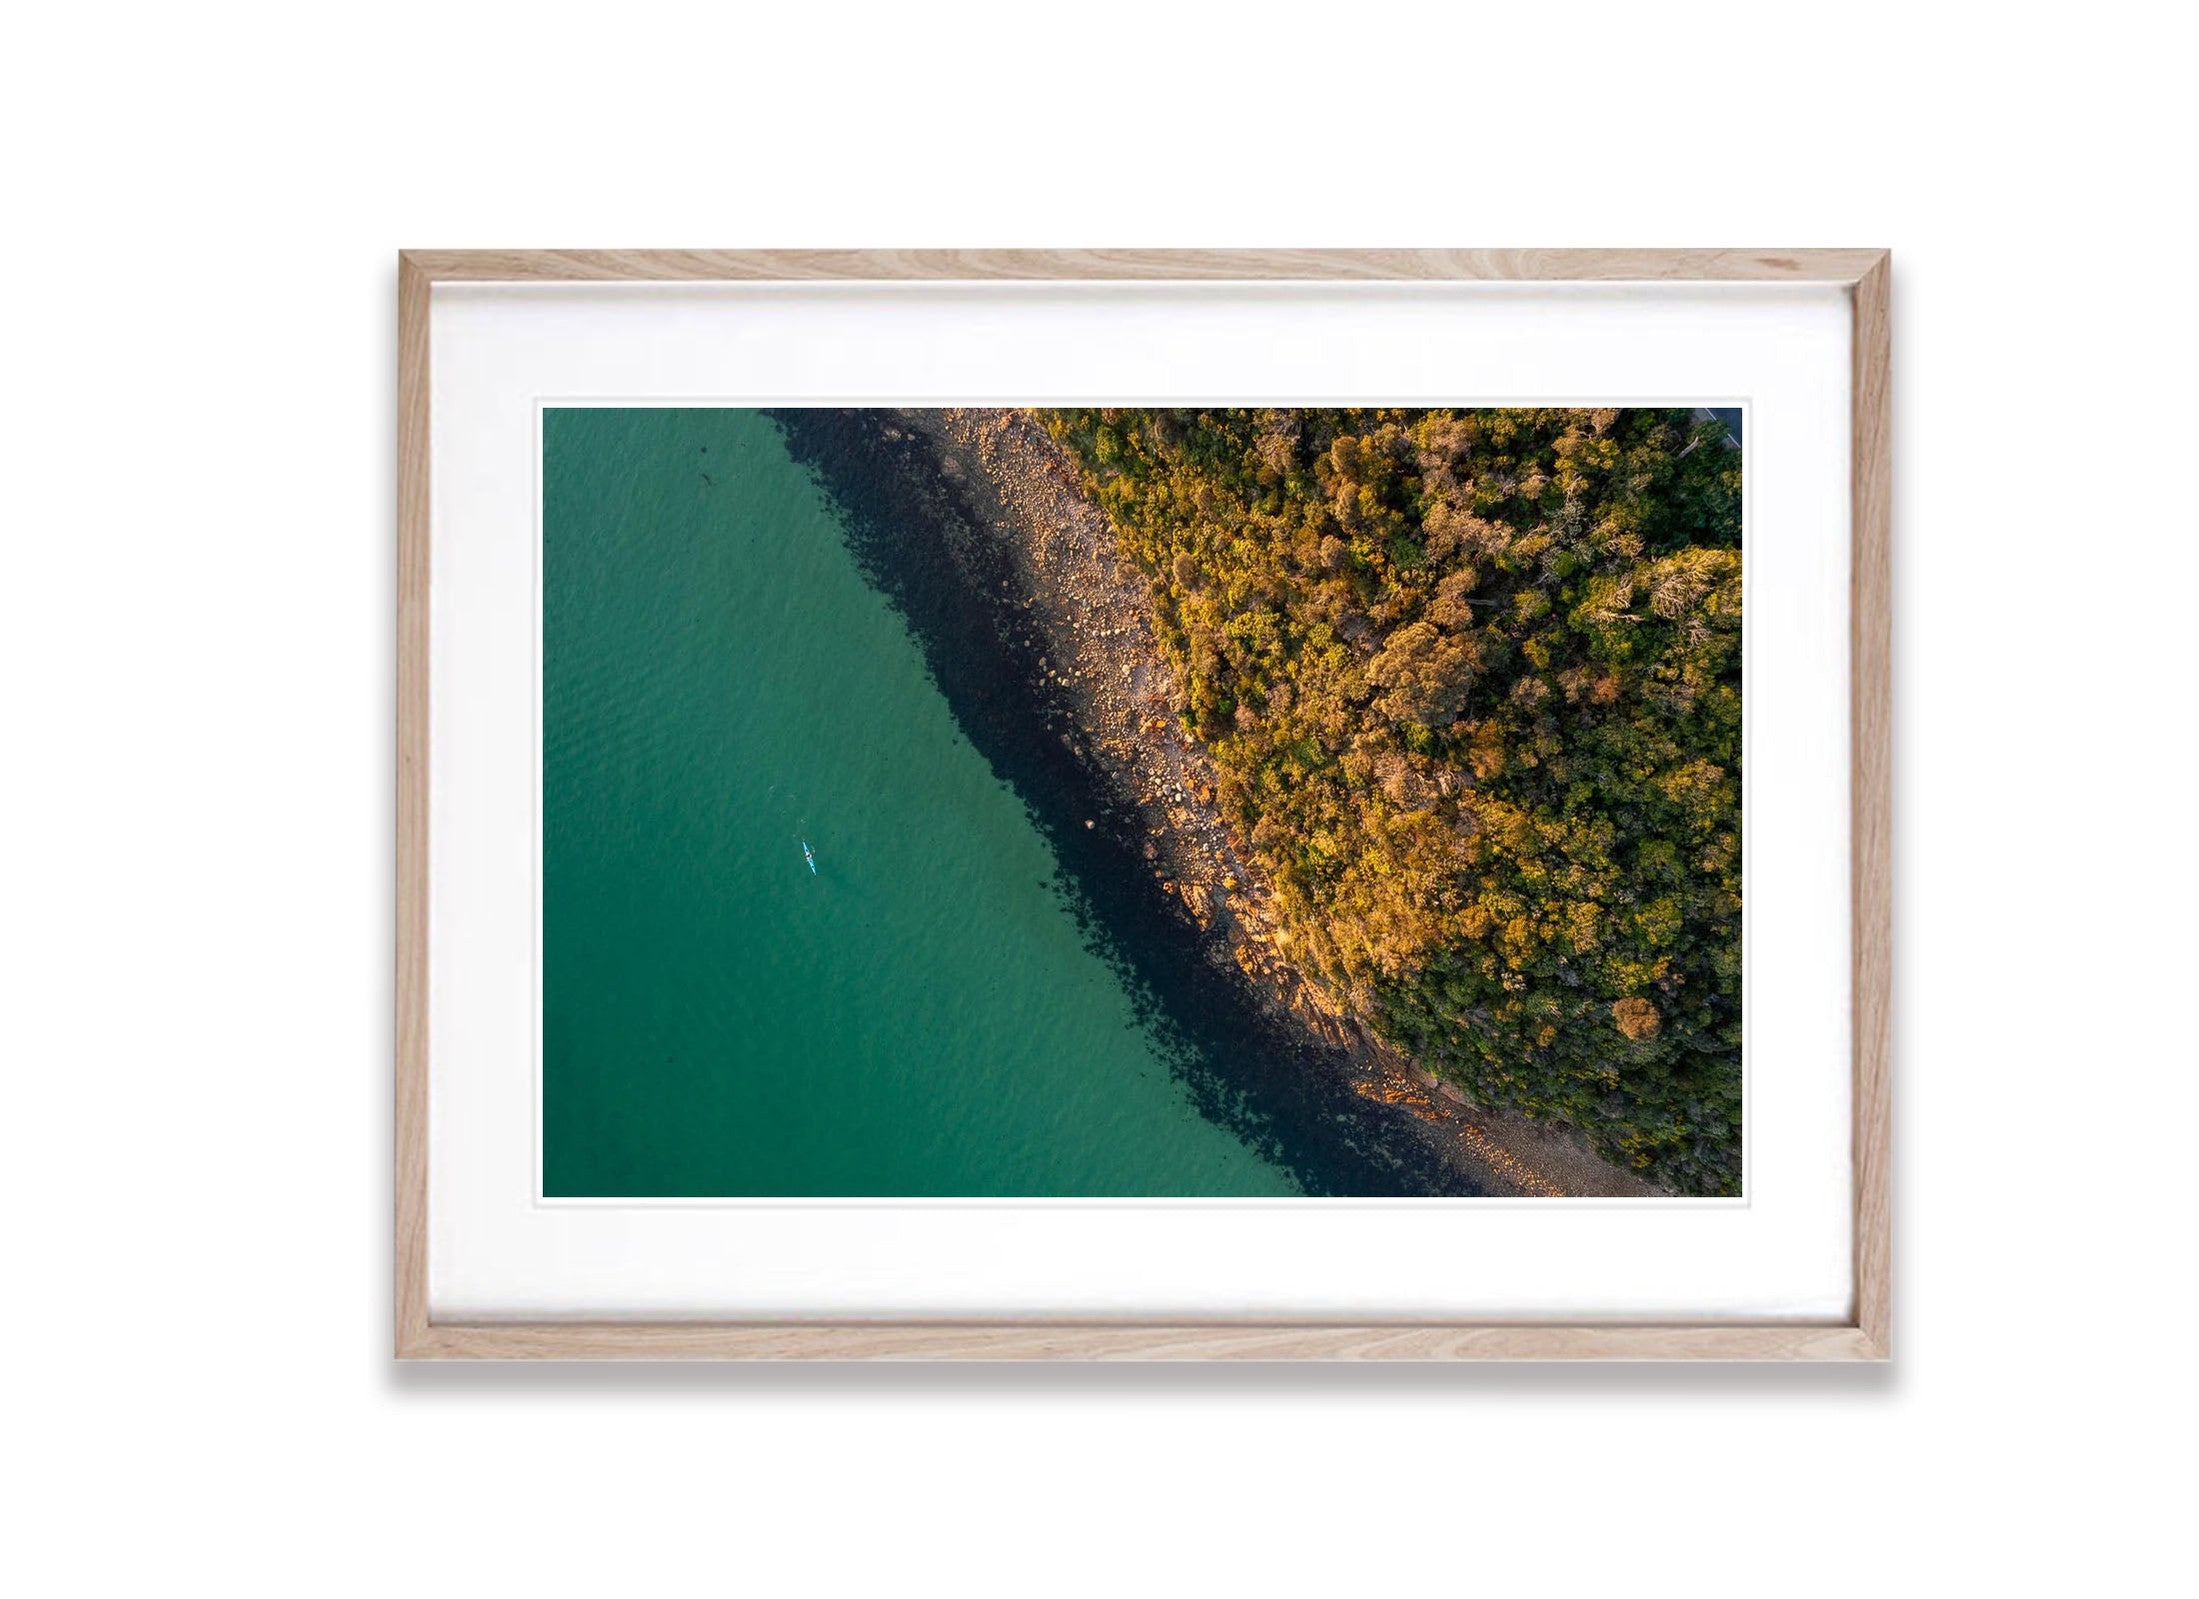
{"points": [[972, 524], [1091, 607]]}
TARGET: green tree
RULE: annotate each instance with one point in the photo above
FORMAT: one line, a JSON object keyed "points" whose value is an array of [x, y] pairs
{"points": [[1471, 680]]}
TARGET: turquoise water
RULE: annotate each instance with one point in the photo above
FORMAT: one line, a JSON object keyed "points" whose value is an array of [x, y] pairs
{"points": [[925, 1016]]}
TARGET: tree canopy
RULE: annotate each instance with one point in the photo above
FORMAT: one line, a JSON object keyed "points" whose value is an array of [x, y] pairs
{"points": [[1472, 683]]}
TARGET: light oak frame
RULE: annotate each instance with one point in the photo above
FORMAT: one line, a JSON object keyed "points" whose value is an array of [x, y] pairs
{"points": [[1863, 1336]]}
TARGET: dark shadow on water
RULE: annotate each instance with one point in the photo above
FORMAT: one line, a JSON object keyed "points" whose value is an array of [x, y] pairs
{"points": [[1290, 1100]]}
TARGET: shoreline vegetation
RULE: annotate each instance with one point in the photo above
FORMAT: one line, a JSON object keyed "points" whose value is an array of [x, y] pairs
{"points": [[1471, 683], [1056, 565]]}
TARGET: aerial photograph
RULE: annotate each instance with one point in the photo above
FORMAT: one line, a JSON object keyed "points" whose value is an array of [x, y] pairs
{"points": [[1160, 803]]}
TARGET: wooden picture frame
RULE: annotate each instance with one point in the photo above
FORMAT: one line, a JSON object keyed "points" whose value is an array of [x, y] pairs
{"points": [[1862, 1336]]}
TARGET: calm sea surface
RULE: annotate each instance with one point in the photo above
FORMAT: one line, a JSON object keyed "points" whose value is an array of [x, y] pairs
{"points": [[928, 1014]]}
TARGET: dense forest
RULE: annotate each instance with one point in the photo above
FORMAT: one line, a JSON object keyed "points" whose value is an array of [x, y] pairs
{"points": [[1472, 681]]}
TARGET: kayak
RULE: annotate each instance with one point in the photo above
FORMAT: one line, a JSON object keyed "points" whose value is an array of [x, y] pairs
{"points": [[809, 858]]}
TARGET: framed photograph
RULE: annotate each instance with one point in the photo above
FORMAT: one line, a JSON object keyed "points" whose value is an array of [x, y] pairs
{"points": [[1130, 804]]}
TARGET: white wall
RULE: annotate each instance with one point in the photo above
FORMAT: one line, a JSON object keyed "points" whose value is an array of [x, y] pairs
{"points": [[195, 615]]}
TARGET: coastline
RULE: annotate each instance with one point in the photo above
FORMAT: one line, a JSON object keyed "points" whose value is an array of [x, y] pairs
{"points": [[1037, 585], [1091, 605]]}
